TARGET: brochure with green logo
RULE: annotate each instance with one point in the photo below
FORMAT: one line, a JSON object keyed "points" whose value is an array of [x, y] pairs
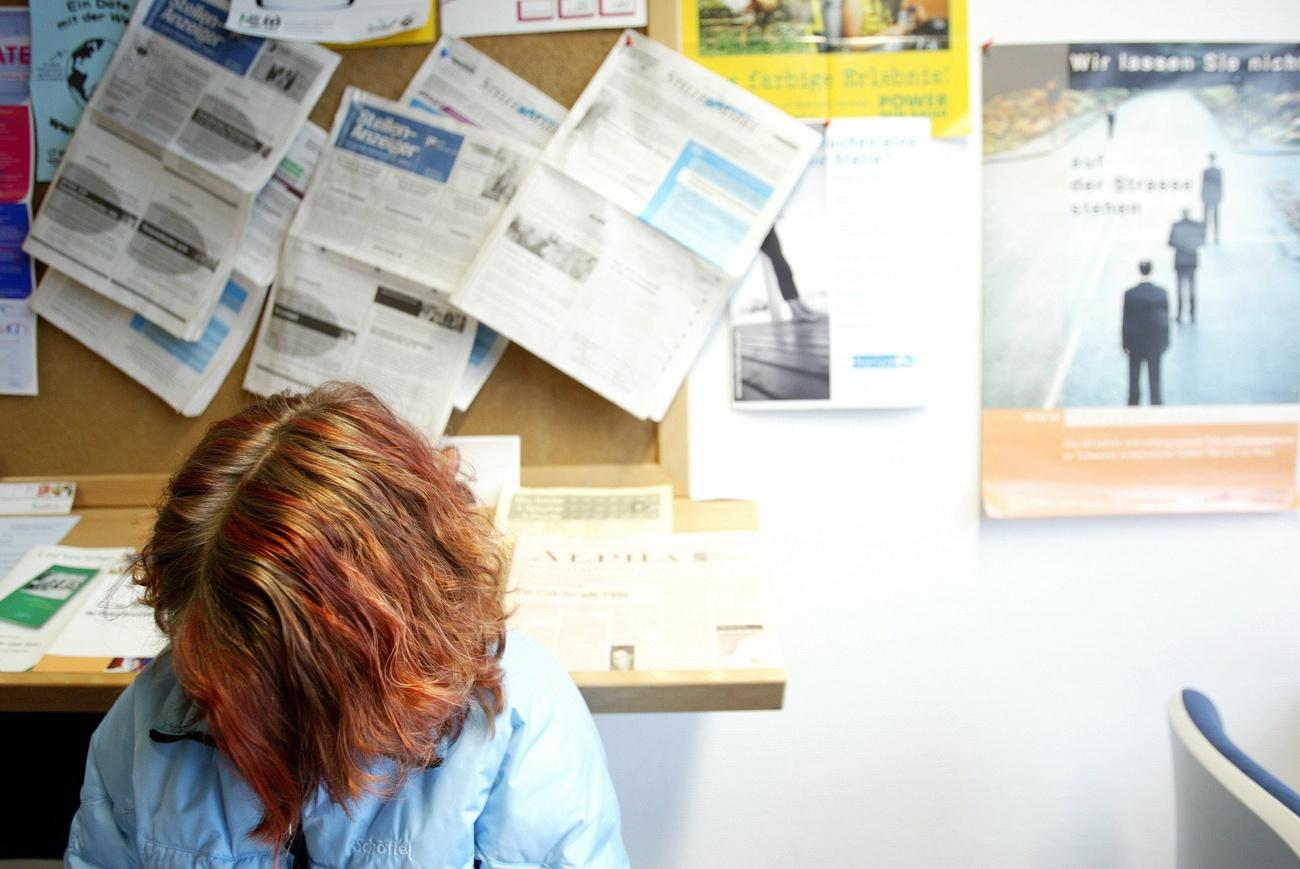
{"points": [[38, 599]]}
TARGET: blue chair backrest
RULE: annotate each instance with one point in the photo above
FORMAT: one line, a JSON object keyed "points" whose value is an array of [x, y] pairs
{"points": [[1231, 811]]}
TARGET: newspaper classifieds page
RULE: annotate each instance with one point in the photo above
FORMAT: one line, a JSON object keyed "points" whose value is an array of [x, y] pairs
{"points": [[42, 593], [646, 602], [689, 152], [589, 288], [330, 317], [586, 510], [154, 192], [409, 192], [619, 253], [187, 374], [123, 224], [462, 82], [258, 256], [459, 81], [219, 105]]}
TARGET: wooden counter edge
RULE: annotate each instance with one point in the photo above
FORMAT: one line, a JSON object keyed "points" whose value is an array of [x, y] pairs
{"points": [[649, 691]]}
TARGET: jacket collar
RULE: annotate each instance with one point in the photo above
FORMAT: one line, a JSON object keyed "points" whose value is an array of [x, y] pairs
{"points": [[177, 718]]}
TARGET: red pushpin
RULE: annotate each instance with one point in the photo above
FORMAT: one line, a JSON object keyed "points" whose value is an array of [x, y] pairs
{"points": [[988, 43]]}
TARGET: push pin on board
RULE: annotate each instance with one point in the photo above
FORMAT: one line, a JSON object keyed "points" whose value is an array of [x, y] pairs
{"points": [[627, 40], [985, 46]]}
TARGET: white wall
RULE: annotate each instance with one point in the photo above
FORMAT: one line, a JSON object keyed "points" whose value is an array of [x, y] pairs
{"points": [[963, 692]]}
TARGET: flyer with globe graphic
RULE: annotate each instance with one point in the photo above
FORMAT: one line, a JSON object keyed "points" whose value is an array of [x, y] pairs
{"points": [[72, 44]]}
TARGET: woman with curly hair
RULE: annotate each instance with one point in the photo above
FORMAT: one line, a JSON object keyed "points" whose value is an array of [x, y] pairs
{"points": [[340, 688]]}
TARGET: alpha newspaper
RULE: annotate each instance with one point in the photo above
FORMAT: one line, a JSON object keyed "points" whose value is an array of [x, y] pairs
{"points": [[188, 123], [402, 201], [646, 602], [187, 374], [619, 252]]}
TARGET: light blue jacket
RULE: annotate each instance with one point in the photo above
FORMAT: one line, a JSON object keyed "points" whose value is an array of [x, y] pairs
{"points": [[536, 793]]}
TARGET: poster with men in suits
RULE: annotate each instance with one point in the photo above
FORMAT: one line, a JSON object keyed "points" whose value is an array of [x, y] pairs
{"points": [[1141, 278]]}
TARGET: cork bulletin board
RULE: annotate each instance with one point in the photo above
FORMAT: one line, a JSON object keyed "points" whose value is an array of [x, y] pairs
{"points": [[91, 419]]}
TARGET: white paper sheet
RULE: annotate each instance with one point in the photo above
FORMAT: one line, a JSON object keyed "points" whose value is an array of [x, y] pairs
{"points": [[20, 533], [340, 21], [491, 17], [489, 464], [47, 498]]}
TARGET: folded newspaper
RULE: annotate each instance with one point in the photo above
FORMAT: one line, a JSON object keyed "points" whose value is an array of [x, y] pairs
{"points": [[618, 254], [646, 602], [187, 374], [187, 124]]}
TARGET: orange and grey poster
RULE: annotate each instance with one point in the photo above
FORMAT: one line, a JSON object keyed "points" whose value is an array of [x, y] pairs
{"points": [[1141, 278]]}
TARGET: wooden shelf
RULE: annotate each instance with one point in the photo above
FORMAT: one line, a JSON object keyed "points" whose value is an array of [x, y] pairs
{"points": [[115, 511]]}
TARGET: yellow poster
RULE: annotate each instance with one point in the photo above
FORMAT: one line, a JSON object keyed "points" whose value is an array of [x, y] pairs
{"points": [[839, 58]]}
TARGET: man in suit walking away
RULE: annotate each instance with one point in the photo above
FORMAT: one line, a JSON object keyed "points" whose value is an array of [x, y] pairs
{"points": [[1185, 237], [1211, 196], [1145, 334]]}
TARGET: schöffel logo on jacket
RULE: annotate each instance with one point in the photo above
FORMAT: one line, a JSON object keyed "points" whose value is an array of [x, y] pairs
{"points": [[382, 848]]}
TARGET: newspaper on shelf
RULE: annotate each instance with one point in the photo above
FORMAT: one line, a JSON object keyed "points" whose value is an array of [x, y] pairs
{"points": [[187, 374], [187, 124], [619, 252], [330, 317], [408, 192], [42, 593], [586, 510], [697, 601], [462, 82]]}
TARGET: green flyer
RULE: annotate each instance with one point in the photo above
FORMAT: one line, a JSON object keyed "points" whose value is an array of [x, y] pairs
{"points": [[37, 600]]}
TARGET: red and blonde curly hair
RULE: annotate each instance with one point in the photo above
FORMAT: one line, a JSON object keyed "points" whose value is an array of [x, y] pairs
{"points": [[330, 594]]}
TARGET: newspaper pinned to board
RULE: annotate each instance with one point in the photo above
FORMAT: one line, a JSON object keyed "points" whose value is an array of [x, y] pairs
{"points": [[333, 318], [461, 82], [618, 253], [187, 374], [402, 201], [188, 123], [696, 601]]}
